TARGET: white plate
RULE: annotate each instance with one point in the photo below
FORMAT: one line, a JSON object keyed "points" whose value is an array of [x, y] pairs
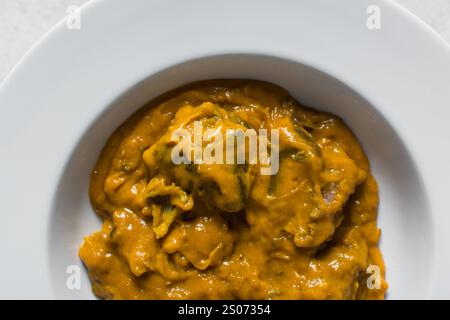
{"points": [[392, 86]]}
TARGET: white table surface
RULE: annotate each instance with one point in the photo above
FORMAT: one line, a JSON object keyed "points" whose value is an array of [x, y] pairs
{"points": [[23, 22]]}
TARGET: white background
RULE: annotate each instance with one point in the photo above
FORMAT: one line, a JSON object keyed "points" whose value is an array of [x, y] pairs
{"points": [[23, 22]]}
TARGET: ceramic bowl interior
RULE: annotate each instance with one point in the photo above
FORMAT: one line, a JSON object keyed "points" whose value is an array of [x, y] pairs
{"points": [[404, 216]]}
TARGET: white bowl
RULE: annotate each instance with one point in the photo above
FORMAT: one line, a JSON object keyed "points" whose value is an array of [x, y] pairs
{"points": [[391, 86]]}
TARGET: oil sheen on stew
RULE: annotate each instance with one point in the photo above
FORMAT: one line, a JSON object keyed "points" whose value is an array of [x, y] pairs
{"points": [[225, 231]]}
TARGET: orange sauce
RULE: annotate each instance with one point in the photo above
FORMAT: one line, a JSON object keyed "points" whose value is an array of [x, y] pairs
{"points": [[224, 231]]}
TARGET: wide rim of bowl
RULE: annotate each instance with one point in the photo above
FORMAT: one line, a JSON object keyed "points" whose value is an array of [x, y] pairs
{"points": [[77, 70]]}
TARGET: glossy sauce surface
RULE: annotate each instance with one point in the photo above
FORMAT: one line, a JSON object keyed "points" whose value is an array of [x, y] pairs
{"points": [[225, 231]]}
